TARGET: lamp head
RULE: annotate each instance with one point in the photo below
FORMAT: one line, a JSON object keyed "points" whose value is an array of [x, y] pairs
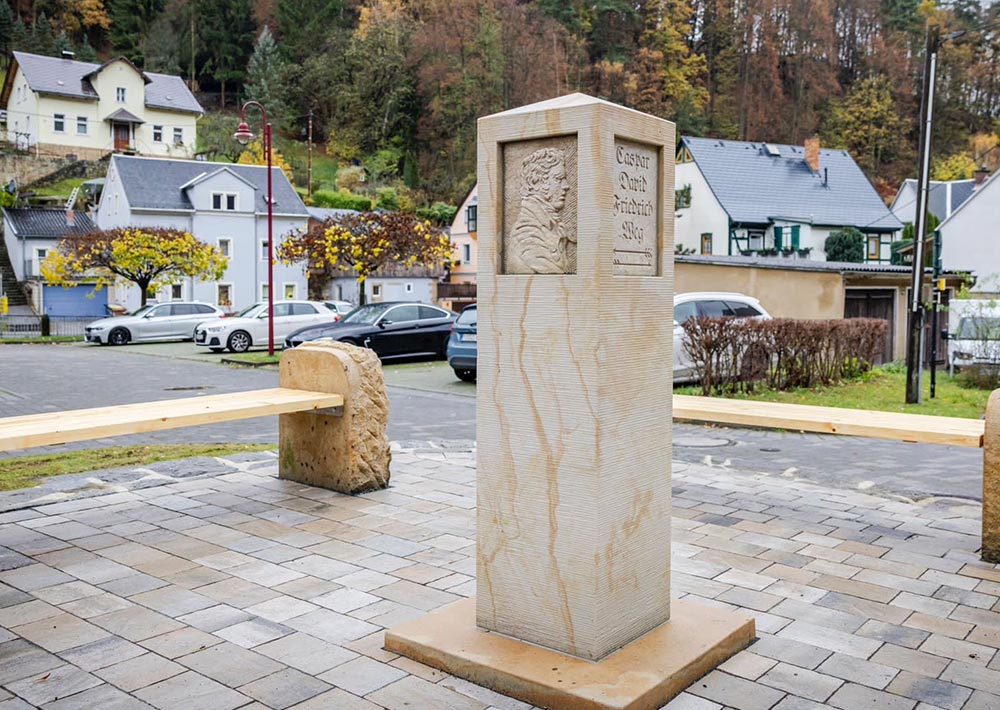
{"points": [[243, 133]]}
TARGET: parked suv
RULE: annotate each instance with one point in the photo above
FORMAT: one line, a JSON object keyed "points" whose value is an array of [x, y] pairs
{"points": [[713, 304], [157, 321], [462, 345]]}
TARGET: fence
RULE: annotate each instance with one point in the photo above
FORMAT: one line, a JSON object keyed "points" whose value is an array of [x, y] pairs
{"points": [[15, 326]]}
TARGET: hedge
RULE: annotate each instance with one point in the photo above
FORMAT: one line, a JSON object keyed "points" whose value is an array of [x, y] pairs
{"points": [[732, 355], [341, 200]]}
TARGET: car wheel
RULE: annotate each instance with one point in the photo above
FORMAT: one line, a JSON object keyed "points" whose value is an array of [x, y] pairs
{"points": [[443, 352], [465, 375], [218, 350], [119, 336], [239, 342]]}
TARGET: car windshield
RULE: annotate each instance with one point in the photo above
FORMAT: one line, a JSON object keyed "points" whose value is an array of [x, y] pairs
{"points": [[365, 315], [250, 311], [467, 317], [979, 328], [142, 311]]}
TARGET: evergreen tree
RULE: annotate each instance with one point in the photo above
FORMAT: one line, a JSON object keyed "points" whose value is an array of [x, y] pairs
{"points": [[20, 37], [6, 27], [131, 22], [302, 23], [265, 76], [62, 44], [86, 52], [43, 38], [226, 30]]}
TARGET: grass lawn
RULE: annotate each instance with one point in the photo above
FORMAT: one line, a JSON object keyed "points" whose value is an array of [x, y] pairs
{"points": [[63, 188], [324, 167], [259, 358], [41, 339], [24, 471], [884, 391]]}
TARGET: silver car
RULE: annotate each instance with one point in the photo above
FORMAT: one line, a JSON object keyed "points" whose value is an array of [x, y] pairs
{"points": [[157, 321]]}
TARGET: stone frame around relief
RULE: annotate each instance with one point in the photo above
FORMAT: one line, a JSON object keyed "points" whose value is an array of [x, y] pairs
{"points": [[540, 201]]}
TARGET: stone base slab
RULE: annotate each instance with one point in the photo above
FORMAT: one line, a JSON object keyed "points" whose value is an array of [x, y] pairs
{"points": [[644, 675]]}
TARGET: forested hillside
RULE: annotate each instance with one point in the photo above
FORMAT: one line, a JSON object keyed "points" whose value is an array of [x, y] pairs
{"points": [[399, 84]]}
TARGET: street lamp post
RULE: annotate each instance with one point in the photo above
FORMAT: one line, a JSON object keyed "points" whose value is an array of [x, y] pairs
{"points": [[244, 135]]}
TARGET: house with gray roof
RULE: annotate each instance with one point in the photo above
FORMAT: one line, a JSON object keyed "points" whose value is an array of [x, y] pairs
{"points": [[944, 197], [747, 198], [970, 238], [223, 204], [59, 106], [29, 234]]}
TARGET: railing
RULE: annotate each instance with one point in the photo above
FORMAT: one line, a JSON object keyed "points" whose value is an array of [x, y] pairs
{"points": [[17, 326]]}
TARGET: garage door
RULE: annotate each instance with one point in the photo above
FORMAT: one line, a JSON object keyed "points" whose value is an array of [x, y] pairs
{"points": [[75, 301], [873, 303]]}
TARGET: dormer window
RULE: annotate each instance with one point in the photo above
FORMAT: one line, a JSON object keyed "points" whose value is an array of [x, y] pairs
{"points": [[224, 201], [471, 217], [120, 94]]}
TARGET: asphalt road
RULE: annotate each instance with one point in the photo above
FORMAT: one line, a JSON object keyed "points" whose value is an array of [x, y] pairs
{"points": [[428, 403]]}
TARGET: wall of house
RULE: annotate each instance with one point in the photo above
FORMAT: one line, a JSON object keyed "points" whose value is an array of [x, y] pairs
{"points": [[904, 206], [785, 293], [168, 121], [969, 238], [705, 215], [22, 113], [15, 249], [393, 289], [464, 271]]}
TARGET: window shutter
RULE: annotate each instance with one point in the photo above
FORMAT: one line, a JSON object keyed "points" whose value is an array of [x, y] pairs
{"points": [[795, 236], [777, 237]]}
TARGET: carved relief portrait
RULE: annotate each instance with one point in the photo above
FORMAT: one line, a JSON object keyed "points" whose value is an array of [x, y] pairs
{"points": [[540, 207]]}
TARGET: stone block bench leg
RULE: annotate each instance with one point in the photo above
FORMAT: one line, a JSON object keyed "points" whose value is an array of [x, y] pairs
{"points": [[346, 452], [991, 481]]}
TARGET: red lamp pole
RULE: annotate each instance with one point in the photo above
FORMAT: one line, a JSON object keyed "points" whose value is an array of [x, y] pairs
{"points": [[244, 135]]}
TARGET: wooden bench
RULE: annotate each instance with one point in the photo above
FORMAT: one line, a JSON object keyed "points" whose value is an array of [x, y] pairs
{"points": [[831, 420], [81, 424]]}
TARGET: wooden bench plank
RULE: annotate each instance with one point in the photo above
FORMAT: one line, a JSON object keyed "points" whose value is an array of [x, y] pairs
{"points": [[25, 432], [831, 420]]}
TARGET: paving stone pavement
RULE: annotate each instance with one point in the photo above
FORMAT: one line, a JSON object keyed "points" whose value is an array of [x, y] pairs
{"points": [[230, 588]]}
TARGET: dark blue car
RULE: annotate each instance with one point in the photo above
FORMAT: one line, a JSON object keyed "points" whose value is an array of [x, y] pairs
{"points": [[462, 345]]}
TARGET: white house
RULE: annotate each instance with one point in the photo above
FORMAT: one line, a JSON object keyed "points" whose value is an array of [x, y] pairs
{"points": [[61, 107], [223, 204], [391, 283], [970, 238], [464, 236], [738, 198], [943, 198]]}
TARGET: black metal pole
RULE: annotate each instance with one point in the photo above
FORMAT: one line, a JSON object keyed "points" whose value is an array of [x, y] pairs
{"points": [[915, 318], [935, 317]]}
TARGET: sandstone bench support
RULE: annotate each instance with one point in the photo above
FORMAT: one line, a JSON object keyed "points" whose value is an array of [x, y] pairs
{"points": [[991, 481], [574, 422], [348, 450]]}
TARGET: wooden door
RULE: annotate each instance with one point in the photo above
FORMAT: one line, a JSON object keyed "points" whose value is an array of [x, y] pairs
{"points": [[122, 137], [873, 303]]}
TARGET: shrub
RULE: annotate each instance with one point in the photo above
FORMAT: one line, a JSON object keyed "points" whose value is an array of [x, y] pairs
{"points": [[439, 213], [350, 178], [341, 200], [979, 376], [732, 356], [846, 244]]}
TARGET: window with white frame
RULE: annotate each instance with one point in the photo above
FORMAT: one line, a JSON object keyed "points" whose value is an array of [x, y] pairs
{"points": [[408, 288], [224, 201], [264, 290], [157, 134], [59, 122], [376, 290], [40, 254], [226, 246], [224, 295], [178, 136], [120, 94], [176, 292], [291, 291], [263, 250], [466, 253], [81, 125]]}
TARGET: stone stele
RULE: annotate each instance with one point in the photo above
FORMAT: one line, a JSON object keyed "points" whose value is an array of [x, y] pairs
{"points": [[991, 480], [574, 417], [348, 453]]}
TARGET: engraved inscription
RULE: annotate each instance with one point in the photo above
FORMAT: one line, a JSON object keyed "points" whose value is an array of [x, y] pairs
{"points": [[636, 213], [540, 207]]}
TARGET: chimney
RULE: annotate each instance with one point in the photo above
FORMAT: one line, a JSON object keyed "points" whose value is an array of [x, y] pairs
{"points": [[812, 153], [68, 54], [982, 172], [70, 219]]}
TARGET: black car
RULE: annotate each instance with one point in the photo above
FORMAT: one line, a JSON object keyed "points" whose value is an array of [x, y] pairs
{"points": [[394, 329]]}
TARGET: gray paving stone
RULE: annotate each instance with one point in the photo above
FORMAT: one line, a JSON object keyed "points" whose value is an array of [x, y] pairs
{"points": [[795, 652], [339, 699], [928, 690], [191, 691], [852, 697], [412, 692], [735, 692], [802, 682], [52, 685], [362, 675], [180, 642], [102, 653], [285, 688], [136, 623], [331, 626], [849, 668], [60, 632], [215, 618], [173, 601], [891, 633], [230, 664], [20, 659], [32, 577], [253, 632], [101, 697], [139, 672], [306, 653]]}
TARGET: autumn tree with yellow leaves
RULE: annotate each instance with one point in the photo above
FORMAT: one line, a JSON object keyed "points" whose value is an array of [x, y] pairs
{"points": [[361, 243], [149, 257]]}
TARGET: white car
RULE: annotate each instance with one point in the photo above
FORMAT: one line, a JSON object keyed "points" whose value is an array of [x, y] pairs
{"points": [[339, 308], [156, 321], [714, 304], [248, 328]]}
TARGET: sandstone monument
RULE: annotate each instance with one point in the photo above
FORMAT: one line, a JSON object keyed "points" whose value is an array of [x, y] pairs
{"points": [[574, 422]]}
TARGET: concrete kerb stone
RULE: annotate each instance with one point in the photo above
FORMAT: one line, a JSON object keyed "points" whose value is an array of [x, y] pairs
{"points": [[348, 452], [991, 481]]}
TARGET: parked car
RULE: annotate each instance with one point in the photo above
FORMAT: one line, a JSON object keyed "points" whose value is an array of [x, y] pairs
{"points": [[156, 321], [711, 304], [976, 341], [248, 328], [462, 345], [339, 308], [391, 329]]}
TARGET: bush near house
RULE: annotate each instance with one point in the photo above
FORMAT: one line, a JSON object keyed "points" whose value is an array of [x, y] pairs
{"points": [[846, 244], [341, 200], [733, 356]]}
